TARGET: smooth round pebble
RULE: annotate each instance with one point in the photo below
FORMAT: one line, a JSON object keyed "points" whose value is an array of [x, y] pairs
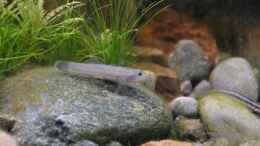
{"points": [[189, 62], [184, 106], [237, 75], [201, 89], [186, 88]]}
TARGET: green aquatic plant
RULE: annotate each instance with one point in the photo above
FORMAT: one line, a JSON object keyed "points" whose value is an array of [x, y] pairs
{"points": [[109, 29], [29, 33]]}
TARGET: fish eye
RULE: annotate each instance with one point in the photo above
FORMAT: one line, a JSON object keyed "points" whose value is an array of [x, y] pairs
{"points": [[140, 74]]}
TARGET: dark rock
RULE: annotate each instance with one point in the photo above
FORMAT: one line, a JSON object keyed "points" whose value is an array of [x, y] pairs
{"points": [[7, 122], [189, 62], [237, 75], [57, 109]]}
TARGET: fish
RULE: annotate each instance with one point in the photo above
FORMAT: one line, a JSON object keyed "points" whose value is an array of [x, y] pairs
{"points": [[249, 102], [124, 75], [137, 78]]}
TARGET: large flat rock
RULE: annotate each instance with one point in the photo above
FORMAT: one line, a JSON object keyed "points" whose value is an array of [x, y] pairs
{"points": [[58, 109]]}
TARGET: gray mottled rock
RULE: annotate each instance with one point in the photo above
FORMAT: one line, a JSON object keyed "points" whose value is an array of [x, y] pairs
{"points": [[227, 117], [201, 89], [235, 74], [189, 62], [184, 106], [190, 129], [55, 109], [85, 143]]}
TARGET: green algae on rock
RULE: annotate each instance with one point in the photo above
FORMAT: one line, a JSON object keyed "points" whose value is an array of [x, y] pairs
{"points": [[77, 109], [251, 143], [214, 142], [225, 116], [190, 129]]}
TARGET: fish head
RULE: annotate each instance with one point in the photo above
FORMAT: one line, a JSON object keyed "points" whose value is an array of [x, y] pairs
{"points": [[144, 77], [150, 81]]}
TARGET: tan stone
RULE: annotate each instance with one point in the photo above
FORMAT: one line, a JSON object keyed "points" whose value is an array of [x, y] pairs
{"points": [[149, 54], [7, 140], [167, 143]]}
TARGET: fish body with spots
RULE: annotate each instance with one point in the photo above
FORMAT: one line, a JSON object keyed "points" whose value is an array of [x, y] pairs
{"points": [[123, 75]]}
